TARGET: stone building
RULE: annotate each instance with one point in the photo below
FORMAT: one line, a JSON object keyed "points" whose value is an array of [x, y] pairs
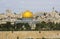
{"points": [[10, 16]]}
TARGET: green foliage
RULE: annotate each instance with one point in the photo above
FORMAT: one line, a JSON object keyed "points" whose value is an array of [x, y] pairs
{"points": [[25, 26], [48, 26]]}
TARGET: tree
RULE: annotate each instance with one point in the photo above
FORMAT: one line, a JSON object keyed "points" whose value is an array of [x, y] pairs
{"points": [[27, 26], [57, 26], [18, 26]]}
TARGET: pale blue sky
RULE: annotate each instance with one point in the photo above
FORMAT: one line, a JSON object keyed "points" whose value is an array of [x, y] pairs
{"points": [[32, 5]]}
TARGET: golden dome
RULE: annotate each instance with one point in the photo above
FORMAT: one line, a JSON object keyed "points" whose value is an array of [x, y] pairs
{"points": [[27, 14]]}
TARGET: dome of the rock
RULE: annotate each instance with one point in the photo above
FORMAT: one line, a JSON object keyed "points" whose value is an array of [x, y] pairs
{"points": [[27, 14]]}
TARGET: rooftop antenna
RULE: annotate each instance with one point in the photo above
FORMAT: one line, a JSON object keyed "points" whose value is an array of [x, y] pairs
{"points": [[53, 9]]}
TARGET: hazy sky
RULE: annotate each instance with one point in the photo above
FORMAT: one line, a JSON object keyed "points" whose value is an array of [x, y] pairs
{"points": [[32, 5]]}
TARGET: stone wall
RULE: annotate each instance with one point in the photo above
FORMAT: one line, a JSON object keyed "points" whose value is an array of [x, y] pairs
{"points": [[29, 34]]}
